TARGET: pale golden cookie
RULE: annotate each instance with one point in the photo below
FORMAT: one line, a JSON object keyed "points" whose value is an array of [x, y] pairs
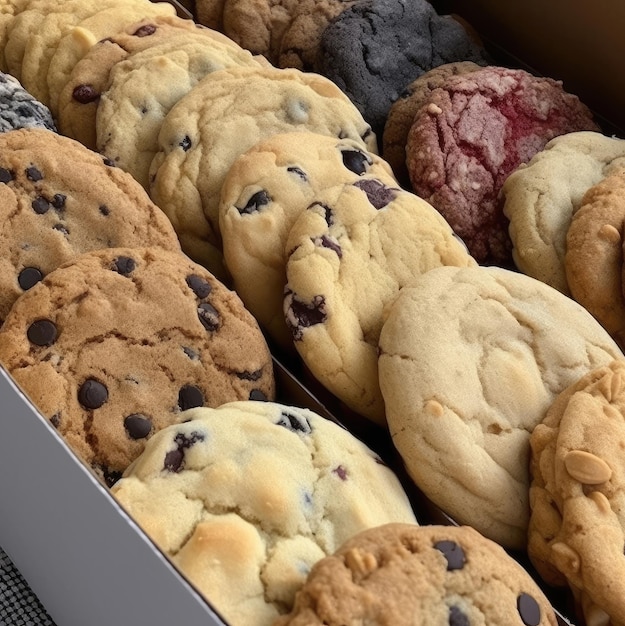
{"points": [[541, 197], [470, 361], [246, 498], [223, 116], [348, 256], [594, 253], [8, 10], [577, 527]]}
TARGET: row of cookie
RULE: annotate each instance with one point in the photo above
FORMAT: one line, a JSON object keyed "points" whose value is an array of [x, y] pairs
{"points": [[107, 326], [270, 510]]}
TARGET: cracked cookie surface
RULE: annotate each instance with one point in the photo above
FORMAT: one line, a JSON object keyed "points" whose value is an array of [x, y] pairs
{"points": [[60, 199], [473, 131], [224, 115], [245, 498], [349, 255], [470, 361], [266, 188], [115, 344], [419, 576], [577, 526]]}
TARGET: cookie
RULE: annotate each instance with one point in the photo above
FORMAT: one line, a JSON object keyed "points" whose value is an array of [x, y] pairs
{"points": [[594, 252], [541, 197], [224, 115], [470, 361], [245, 498], [143, 88], [300, 41], [264, 191], [59, 199], [355, 53], [349, 255], [8, 10], [18, 108], [402, 112], [474, 130], [113, 346], [410, 575], [80, 97], [577, 527], [210, 13], [74, 45]]}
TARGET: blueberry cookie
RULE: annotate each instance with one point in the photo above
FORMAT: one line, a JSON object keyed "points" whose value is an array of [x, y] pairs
{"points": [[73, 45], [470, 361], [143, 88], [402, 112], [541, 197], [374, 48], [577, 527], [60, 199], [594, 252], [114, 345], [264, 191], [472, 132], [245, 499], [224, 115], [410, 575], [349, 254], [19, 109]]}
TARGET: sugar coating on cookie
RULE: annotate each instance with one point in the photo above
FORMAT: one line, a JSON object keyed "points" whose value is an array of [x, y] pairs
{"points": [[19, 109], [472, 133], [60, 199], [349, 255], [419, 576], [246, 498], [375, 48], [143, 88], [225, 114], [470, 361], [577, 527], [594, 252], [541, 197], [264, 191], [115, 344]]}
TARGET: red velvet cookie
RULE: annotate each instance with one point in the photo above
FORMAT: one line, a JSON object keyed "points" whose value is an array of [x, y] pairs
{"points": [[472, 133]]}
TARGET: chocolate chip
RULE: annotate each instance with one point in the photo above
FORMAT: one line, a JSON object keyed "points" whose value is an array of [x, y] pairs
{"points": [[341, 472], [296, 170], [528, 610], [296, 423], [329, 242], [356, 161], [258, 396], [174, 459], [42, 333], [253, 376], [145, 30], [327, 212], [300, 315], [208, 316], [55, 420], [453, 553], [137, 426], [58, 201], [192, 354], [457, 617], [92, 394], [61, 228], [255, 203], [104, 210], [378, 193], [190, 397], [110, 163], [200, 286], [6, 176], [84, 94], [33, 174], [40, 205], [110, 476], [185, 144], [124, 265], [367, 133], [29, 277]]}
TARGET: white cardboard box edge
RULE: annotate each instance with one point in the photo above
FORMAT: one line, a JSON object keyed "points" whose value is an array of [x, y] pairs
{"points": [[86, 560]]}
